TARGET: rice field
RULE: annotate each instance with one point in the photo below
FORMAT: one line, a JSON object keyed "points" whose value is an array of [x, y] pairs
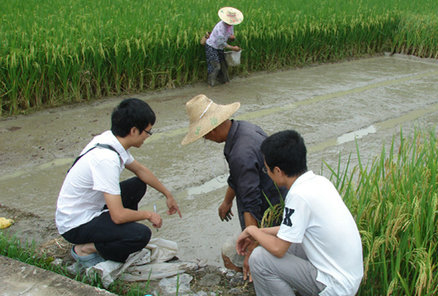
{"points": [[57, 52], [395, 202]]}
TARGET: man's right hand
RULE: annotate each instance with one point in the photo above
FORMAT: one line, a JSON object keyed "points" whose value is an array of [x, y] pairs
{"points": [[155, 219], [225, 212]]}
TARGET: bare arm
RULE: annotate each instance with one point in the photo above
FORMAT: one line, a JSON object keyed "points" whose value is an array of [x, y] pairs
{"points": [[119, 214], [266, 239], [149, 178], [271, 230], [233, 48]]}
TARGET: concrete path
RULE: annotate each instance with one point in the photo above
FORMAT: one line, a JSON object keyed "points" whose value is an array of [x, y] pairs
{"points": [[17, 278]]}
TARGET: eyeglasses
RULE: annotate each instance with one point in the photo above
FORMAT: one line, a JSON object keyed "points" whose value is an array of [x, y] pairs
{"points": [[148, 132]]}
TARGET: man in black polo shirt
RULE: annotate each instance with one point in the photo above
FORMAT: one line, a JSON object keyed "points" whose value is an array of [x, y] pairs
{"points": [[247, 181]]}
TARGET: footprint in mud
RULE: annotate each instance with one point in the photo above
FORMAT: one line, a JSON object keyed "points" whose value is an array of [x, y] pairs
{"points": [[10, 129]]}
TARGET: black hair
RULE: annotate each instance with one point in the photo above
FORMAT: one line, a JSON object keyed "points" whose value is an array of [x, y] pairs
{"points": [[286, 150], [131, 113]]}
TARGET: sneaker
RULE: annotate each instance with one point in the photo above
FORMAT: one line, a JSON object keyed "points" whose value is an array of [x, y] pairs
{"points": [[88, 260]]}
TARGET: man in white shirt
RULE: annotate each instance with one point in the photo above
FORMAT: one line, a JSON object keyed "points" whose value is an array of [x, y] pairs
{"points": [[95, 211], [317, 249]]}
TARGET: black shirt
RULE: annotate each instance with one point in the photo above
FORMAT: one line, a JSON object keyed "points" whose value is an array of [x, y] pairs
{"points": [[245, 161]]}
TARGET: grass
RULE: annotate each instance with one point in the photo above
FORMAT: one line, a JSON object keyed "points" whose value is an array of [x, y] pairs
{"points": [[26, 252], [394, 200], [59, 52]]}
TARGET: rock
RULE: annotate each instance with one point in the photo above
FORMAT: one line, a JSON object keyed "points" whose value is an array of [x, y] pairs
{"points": [[230, 257], [235, 291], [180, 283], [223, 270], [237, 280], [210, 280], [57, 262]]}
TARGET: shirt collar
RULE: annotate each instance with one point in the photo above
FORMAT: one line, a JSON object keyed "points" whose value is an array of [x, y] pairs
{"points": [[303, 178], [109, 138], [231, 133]]}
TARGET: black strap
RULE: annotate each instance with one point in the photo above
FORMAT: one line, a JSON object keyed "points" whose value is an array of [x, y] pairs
{"points": [[106, 146]]}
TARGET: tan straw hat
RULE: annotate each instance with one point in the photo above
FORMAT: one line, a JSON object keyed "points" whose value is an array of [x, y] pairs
{"points": [[204, 116], [230, 15]]}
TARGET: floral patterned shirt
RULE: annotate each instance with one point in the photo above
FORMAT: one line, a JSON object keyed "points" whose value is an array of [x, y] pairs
{"points": [[220, 34]]}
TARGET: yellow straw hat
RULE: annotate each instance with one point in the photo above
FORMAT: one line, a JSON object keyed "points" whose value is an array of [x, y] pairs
{"points": [[230, 15], [204, 116]]}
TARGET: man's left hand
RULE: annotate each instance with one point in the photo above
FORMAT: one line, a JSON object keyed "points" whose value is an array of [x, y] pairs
{"points": [[172, 206]]}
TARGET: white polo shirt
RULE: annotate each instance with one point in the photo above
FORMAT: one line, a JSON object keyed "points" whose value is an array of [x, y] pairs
{"points": [[315, 216], [98, 171]]}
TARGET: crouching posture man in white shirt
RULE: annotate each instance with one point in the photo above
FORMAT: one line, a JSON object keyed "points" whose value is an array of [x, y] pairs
{"points": [[96, 212], [317, 248]]}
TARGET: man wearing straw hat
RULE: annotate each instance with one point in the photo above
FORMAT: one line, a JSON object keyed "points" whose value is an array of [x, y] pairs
{"points": [[216, 43], [247, 181]]}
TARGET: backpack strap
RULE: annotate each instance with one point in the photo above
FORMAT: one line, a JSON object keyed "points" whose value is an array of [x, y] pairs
{"points": [[106, 146]]}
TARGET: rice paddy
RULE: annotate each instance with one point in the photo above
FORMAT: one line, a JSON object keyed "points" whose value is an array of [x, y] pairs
{"points": [[395, 202], [55, 52]]}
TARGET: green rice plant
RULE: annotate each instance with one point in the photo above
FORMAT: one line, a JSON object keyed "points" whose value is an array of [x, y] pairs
{"points": [[56, 52], [274, 214], [395, 203]]}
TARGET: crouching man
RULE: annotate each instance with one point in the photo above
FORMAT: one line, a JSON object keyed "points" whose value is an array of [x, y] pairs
{"points": [[317, 248], [95, 212]]}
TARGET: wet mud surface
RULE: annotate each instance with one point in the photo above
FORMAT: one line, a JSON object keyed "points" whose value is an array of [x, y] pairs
{"points": [[333, 106]]}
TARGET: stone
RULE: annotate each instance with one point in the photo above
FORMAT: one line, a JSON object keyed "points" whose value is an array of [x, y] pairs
{"points": [[210, 280], [235, 291], [237, 280], [180, 283]]}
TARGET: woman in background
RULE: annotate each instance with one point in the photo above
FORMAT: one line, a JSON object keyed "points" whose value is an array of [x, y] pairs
{"points": [[217, 42]]}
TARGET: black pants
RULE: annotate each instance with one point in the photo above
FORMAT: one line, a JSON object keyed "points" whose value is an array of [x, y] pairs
{"points": [[115, 241]]}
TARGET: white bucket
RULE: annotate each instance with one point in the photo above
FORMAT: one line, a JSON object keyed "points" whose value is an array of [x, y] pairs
{"points": [[233, 58]]}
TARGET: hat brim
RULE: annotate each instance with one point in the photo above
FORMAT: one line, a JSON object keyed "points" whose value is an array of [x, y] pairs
{"points": [[215, 117], [223, 15]]}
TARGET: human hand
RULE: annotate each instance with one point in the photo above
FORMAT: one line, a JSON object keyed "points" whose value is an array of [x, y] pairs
{"points": [[232, 38], [235, 48], [172, 206], [225, 212], [242, 243], [155, 219]]}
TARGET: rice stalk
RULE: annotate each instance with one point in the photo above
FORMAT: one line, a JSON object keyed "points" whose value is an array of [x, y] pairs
{"points": [[131, 46]]}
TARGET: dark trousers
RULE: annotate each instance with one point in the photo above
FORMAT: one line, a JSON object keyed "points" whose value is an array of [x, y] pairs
{"points": [[217, 67], [115, 241]]}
